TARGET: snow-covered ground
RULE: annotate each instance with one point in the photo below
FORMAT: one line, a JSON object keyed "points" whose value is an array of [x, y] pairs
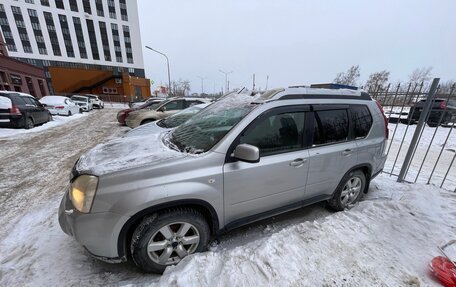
{"points": [[57, 121], [386, 240]]}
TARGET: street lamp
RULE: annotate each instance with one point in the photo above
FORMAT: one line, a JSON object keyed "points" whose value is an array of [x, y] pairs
{"points": [[202, 83], [167, 62], [226, 79]]}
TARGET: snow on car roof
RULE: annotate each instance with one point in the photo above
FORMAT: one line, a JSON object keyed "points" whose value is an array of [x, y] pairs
{"points": [[53, 99]]}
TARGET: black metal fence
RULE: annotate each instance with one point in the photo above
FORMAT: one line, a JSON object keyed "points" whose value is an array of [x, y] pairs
{"points": [[422, 144]]}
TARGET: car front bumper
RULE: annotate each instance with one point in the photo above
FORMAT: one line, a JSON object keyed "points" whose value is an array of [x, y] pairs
{"points": [[98, 233]]}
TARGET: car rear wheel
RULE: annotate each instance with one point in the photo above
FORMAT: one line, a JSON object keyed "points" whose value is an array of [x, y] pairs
{"points": [[69, 113], [349, 191], [29, 124], [165, 238]]}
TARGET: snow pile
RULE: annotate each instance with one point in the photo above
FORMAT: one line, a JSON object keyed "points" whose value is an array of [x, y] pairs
{"points": [[57, 121], [387, 240], [115, 105], [125, 153]]}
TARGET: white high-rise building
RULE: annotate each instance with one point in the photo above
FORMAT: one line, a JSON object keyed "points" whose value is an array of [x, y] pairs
{"points": [[90, 34]]}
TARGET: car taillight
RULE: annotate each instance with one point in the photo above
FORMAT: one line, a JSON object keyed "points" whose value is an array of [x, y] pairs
{"points": [[384, 118], [59, 107], [14, 110], [442, 105]]}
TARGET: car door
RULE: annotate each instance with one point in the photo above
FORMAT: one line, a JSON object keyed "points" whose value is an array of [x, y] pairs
{"points": [[332, 153], [43, 112], [32, 110], [278, 180]]}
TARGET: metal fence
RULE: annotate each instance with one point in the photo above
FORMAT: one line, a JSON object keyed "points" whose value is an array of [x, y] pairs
{"points": [[420, 149]]}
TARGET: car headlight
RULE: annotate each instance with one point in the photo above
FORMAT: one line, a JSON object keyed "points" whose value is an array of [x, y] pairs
{"points": [[82, 192]]}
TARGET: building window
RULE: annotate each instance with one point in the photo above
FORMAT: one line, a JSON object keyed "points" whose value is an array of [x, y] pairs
{"points": [[59, 4], [105, 41], [93, 39], [45, 3], [123, 10], [30, 1], [86, 5], [112, 9], [66, 35], [127, 41], [116, 40], [74, 6], [80, 37], [99, 6], [52, 34]]}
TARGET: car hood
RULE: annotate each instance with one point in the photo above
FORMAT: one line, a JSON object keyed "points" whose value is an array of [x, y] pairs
{"points": [[126, 153], [147, 129]]}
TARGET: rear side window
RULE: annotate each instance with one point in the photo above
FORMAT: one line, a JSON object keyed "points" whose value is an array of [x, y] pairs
{"points": [[29, 101], [362, 121], [175, 105], [330, 127], [18, 100]]}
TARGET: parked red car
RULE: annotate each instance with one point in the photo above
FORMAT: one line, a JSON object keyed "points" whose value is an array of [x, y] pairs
{"points": [[123, 114]]}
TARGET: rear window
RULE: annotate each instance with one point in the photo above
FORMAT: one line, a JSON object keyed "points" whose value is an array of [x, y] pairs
{"points": [[362, 121], [80, 99], [330, 127]]}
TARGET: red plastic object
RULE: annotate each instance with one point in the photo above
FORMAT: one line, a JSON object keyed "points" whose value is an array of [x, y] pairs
{"points": [[444, 270]]}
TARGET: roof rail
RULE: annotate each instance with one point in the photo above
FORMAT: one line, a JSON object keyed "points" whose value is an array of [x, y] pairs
{"points": [[333, 86]]}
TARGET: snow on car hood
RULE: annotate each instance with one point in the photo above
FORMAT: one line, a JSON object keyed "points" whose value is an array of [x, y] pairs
{"points": [[126, 153]]}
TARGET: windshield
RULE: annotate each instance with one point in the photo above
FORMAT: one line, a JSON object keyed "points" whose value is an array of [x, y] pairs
{"points": [[200, 133], [179, 118], [80, 99]]}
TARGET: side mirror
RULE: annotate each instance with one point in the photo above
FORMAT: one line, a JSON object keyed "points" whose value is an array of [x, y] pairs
{"points": [[247, 153]]}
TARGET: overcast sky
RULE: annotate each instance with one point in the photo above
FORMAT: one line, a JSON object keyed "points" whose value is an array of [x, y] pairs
{"points": [[295, 42]]}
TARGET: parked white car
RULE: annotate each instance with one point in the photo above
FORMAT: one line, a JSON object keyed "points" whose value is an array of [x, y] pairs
{"points": [[59, 105], [83, 102], [96, 101]]}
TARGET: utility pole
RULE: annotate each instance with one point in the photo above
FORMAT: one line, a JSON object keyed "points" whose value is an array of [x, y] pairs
{"points": [[226, 80], [167, 62], [253, 89], [267, 81], [202, 83]]}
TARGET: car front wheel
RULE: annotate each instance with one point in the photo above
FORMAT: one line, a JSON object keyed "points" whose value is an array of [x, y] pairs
{"points": [[163, 239], [349, 191]]}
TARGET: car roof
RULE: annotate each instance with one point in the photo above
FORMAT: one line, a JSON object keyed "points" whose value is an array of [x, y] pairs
{"points": [[17, 93], [80, 96], [303, 92]]}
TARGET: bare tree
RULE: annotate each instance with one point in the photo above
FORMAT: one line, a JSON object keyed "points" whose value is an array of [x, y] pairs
{"points": [[377, 81], [180, 88], [421, 75], [350, 77]]}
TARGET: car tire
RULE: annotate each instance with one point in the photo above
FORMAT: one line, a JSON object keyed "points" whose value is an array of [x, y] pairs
{"points": [[69, 113], [159, 240], [29, 124], [432, 124], [50, 118], [349, 191]]}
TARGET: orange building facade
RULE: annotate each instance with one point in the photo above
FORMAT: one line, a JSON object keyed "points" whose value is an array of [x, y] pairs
{"points": [[118, 85]]}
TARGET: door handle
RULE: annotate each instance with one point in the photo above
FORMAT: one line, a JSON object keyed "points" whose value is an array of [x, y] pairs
{"points": [[298, 162], [347, 152]]}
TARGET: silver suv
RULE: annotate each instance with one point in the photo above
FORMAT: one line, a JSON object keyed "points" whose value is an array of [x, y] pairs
{"points": [[156, 199]]}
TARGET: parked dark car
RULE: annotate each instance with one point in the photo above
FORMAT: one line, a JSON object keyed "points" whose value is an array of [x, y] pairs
{"points": [[19, 110], [123, 114], [441, 108]]}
